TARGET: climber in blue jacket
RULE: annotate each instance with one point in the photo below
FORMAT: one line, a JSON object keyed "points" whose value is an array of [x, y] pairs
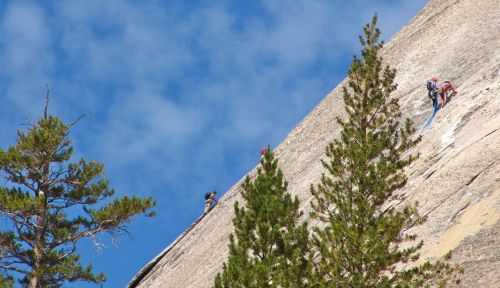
{"points": [[433, 91]]}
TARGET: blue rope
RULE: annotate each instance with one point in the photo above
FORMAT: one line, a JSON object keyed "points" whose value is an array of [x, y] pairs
{"points": [[435, 109]]}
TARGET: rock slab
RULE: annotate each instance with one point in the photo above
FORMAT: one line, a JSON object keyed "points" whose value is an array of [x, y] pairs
{"points": [[456, 180]]}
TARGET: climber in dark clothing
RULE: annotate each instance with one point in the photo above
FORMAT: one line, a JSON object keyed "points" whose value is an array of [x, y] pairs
{"points": [[433, 90], [210, 201]]}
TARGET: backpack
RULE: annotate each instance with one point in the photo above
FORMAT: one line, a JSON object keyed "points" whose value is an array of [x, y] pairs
{"points": [[430, 92], [429, 86]]}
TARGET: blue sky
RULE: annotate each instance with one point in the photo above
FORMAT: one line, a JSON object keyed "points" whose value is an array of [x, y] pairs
{"points": [[183, 93]]}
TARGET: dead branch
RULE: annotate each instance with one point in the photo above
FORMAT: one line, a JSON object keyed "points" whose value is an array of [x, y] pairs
{"points": [[47, 97], [80, 118]]}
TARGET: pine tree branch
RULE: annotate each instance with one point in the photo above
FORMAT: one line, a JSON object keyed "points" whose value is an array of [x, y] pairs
{"points": [[18, 175], [28, 122], [69, 252], [86, 233], [70, 203], [375, 113], [14, 253], [12, 262], [15, 269], [21, 233], [13, 216], [55, 176]]}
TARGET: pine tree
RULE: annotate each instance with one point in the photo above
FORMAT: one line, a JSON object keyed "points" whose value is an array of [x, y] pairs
{"points": [[269, 246], [52, 203], [361, 243]]}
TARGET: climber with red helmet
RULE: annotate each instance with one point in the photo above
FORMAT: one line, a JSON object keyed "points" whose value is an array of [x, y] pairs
{"points": [[443, 91], [263, 151]]}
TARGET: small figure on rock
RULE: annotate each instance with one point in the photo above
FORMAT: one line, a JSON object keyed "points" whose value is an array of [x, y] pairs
{"points": [[262, 152], [210, 201], [443, 91], [433, 90]]}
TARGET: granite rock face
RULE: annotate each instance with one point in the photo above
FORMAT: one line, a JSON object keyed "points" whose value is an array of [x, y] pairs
{"points": [[456, 180]]}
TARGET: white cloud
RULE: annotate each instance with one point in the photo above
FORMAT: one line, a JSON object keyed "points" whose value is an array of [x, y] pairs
{"points": [[144, 122], [250, 69], [26, 57], [184, 97], [121, 42], [237, 82]]}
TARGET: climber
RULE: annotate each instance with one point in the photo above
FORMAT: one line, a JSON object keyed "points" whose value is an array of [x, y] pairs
{"points": [[432, 90], [210, 201], [443, 91], [263, 151]]}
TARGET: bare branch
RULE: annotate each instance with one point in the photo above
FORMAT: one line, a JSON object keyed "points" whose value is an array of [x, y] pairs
{"points": [[80, 118], [28, 122], [102, 227], [47, 96], [69, 252], [98, 244], [19, 270]]}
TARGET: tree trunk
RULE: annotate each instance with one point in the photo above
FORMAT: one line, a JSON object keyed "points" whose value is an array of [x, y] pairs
{"points": [[36, 276], [41, 223]]}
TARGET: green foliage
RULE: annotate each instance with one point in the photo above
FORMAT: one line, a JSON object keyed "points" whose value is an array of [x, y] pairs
{"points": [[361, 242], [52, 203], [269, 247], [6, 281]]}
